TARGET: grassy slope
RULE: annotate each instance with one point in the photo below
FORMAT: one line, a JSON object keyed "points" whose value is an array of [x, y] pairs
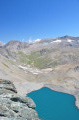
{"points": [[48, 59]]}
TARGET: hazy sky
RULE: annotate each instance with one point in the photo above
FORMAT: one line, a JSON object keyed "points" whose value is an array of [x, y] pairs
{"points": [[31, 19]]}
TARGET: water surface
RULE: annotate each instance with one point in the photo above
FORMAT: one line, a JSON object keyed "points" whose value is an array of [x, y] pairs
{"points": [[53, 105]]}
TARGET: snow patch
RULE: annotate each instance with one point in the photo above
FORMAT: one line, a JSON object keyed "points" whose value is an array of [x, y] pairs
{"points": [[37, 40], [29, 69], [56, 41], [69, 40]]}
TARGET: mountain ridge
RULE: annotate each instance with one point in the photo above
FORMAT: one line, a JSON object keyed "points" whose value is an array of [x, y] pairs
{"points": [[27, 42], [52, 63]]}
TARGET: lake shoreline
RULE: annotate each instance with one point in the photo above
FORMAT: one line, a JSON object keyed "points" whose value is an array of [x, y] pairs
{"points": [[54, 105], [28, 87]]}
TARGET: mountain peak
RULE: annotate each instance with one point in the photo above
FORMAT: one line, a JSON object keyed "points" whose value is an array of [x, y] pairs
{"points": [[68, 37]]}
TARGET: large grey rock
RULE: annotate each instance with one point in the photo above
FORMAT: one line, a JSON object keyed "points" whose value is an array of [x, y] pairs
{"points": [[13, 106], [28, 101], [7, 85]]}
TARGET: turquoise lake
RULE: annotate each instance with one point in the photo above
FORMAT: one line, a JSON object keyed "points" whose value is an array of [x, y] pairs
{"points": [[52, 105]]}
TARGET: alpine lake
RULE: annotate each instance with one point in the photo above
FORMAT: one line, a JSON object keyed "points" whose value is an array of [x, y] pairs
{"points": [[52, 105]]}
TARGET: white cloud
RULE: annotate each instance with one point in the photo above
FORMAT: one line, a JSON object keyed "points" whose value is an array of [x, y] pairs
{"points": [[30, 40], [23, 40]]}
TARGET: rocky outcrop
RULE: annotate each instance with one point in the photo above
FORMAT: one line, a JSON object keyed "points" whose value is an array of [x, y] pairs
{"points": [[13, 106], [76, 69]]}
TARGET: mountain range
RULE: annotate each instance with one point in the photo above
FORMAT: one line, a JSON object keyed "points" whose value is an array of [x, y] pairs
{"points": [[52, 63], [44, 53]]}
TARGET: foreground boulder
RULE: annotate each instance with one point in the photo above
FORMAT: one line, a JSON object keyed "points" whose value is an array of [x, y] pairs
{"points": [[13, 106]]}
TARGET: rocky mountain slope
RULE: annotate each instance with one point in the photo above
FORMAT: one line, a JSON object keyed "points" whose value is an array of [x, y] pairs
{"points": [[53, 63], [13, 106], [44, 53]]}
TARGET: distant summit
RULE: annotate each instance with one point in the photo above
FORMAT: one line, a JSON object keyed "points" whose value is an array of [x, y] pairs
{"points": [[47, 40], [15, 45], [68, 37], [65, 39]]}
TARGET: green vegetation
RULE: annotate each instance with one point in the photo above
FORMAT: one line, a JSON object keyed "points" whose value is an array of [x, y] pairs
{"points": [[54, 63], [37, 59], [12, 62], [34, 59], [22, 57], [5, 65]]}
